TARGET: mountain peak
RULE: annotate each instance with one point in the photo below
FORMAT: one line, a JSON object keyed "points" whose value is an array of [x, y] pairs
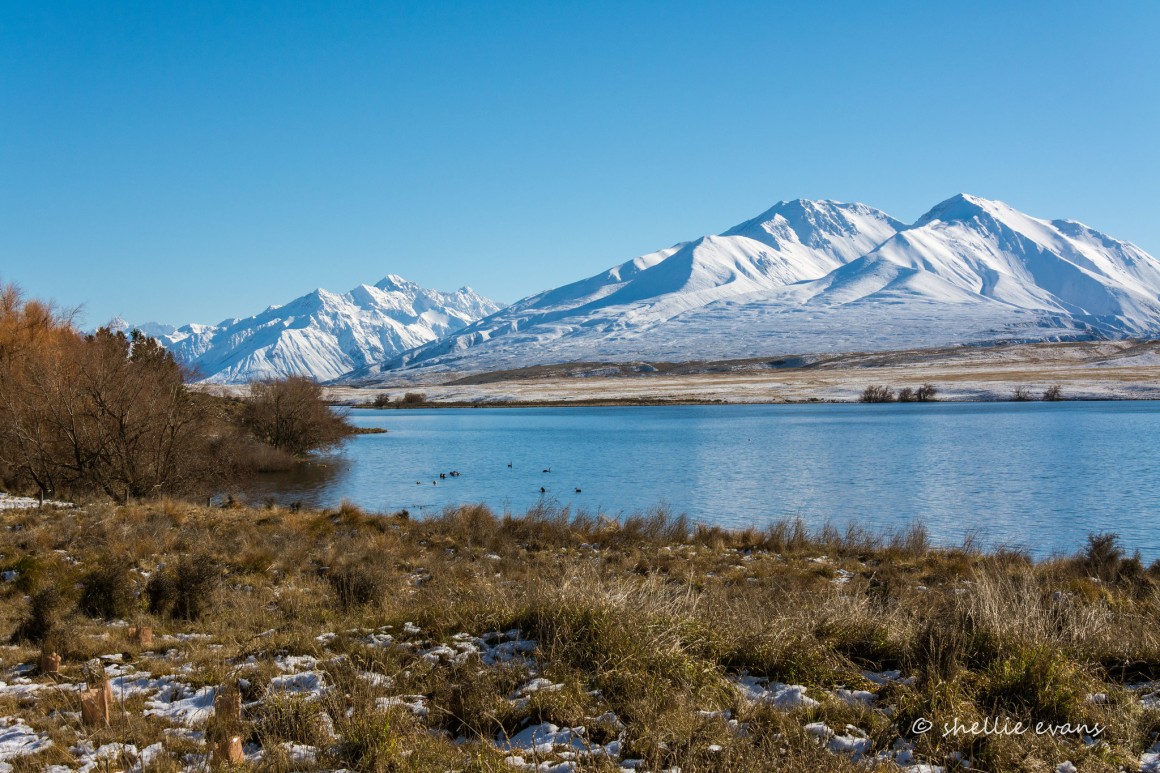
{"points": [[394, 282], [962, 206]]}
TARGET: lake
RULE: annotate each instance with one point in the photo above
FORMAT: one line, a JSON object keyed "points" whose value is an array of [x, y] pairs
{"points": [[1034, 475]]}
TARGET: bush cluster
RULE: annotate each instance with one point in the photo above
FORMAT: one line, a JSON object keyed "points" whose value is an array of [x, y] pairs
{"points": [[878, 393], [111, 414], [1053, 393]]}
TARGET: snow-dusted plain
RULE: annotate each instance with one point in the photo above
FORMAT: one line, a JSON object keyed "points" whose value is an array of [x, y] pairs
{"points": [[323, 335], [1091, 370], [822, 276]]}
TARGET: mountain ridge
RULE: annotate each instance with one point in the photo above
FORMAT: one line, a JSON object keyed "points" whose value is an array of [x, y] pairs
{"points": [[811, 276], [323, 334]]}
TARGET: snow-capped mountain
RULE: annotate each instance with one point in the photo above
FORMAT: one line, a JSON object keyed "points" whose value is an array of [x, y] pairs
{"points": [[324, 335], [815, 276]]}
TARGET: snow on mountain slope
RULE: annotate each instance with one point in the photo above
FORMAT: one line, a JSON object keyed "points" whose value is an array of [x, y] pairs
{"points": [[992, 249], [814, 276], [324, 335]]}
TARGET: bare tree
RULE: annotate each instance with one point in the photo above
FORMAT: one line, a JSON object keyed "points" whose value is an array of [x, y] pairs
{"points": [[877, 394], [291, 415]]}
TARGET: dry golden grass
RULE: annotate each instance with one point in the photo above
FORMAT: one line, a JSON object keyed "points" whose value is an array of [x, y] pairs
{"points": [[642, 628]]}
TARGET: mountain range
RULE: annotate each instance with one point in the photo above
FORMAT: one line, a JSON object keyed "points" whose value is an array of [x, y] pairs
{"points": [[323, 335], [802, 277], [824, 276]]}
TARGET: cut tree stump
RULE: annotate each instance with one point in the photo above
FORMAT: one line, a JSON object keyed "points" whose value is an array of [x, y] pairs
{"points": [[97, 705], [50, 663], [142, 636], [229, 750]]}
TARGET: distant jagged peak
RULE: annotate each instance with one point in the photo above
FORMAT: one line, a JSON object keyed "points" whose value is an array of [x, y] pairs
{"points": [[322, 334], [394, 282]]}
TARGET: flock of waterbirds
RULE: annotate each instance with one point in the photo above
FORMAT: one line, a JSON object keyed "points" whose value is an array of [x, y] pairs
{"points": [[457, 473]]}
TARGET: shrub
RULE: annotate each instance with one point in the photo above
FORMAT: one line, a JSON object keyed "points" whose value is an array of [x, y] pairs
{"points": [[186, 591], [1037, 680], [357, 584], [107, 591], [1053, 393], [414, 398], [1104, 559], [43, 618], [1022, 394], [877, 394], [382, 400], [906, 395], [291, 415], [926, 393]]}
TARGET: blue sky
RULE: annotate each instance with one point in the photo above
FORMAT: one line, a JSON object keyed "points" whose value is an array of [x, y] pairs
{"points": [[189, 162]]}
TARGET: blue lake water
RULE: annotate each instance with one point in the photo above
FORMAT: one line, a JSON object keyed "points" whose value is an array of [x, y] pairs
{"points": [[1035, 475]]}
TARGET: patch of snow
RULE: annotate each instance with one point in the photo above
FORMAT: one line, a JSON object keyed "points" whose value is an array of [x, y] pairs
{"points": [[1150, 762], [856, 697], [9, 502], [311, 684], [416, 704], [781, 696], [546, 738], [17, 739], [886, 677], [182, 704]]}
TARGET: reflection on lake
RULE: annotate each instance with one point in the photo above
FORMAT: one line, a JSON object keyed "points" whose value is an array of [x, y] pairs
{"points": [[1040, 475]]}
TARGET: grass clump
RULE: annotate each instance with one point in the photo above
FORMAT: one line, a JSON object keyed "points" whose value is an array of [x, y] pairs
{"points": [[186, 590]]}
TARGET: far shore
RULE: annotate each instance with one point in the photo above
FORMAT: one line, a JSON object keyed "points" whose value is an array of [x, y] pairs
{"points": [[1099, 370]]}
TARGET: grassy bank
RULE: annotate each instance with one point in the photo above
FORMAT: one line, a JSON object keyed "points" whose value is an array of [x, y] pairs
{"points": [[475, 642]]}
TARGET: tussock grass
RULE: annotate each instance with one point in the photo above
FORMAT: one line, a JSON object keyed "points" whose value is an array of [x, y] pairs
{"points": [[642, 628]]}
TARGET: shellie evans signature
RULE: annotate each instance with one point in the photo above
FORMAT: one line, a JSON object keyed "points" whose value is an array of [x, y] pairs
{"points": [[1005, 726]]}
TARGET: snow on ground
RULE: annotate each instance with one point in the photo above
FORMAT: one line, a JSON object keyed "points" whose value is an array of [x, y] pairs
{"points": [[182, 704], [852, 742], [776, 694], [1150, 762], [1093, 370], [9, 502], [539, 746], [549, 740], [18, 739]]}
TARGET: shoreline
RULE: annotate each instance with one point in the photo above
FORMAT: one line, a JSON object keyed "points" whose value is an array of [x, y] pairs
{"points": [[633, 402]]}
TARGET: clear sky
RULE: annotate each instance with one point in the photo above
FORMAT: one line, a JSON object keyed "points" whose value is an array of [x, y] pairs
{"points": [[192, 161]]}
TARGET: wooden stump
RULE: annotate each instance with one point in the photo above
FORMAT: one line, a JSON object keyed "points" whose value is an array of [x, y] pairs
{"points": [[50, 663], [97, 705], [141, 636], [229, 750]]}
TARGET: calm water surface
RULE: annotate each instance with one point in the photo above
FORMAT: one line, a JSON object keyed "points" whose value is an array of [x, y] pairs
{"points": [[1035, 475]]}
